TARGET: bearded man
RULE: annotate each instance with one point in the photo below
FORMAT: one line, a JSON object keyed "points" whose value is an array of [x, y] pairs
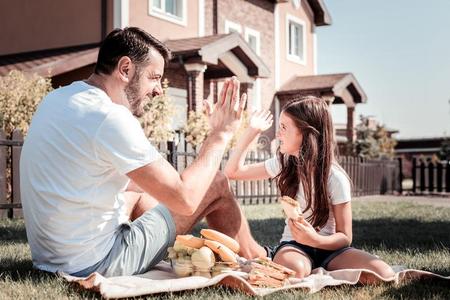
{"points": [[96, 195]]}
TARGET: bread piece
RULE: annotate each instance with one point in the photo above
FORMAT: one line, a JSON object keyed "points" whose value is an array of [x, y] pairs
{"points": [[190, 241], [223, 251], [291, 207], [224, 239]]}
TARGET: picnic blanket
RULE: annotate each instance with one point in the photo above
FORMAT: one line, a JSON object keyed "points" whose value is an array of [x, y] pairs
{"points": [[162, 279]]}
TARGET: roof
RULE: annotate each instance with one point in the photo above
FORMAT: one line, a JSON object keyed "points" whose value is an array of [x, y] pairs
{"points": [[210, 49], [321, 15], [50, 62], [344, 87]]}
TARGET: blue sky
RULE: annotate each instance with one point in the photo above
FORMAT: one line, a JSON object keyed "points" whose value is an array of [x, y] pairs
{"points": [[399, 51]]}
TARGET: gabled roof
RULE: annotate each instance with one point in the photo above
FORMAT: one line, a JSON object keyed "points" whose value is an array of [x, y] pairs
{"points": [[344, 87], [50, 62], [321, 15], [209, 49]]}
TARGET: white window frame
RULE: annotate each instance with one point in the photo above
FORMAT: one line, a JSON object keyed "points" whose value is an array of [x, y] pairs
{"points": [[249, 31], [162, 14], [256, 97], [291, 57], [232, 25]]}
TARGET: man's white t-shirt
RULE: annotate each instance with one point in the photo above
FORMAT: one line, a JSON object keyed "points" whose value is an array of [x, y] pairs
{"points": [[339, 189], [73, 163]]}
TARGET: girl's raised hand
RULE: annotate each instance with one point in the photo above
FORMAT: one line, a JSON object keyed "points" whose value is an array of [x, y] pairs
{"points": [[261, 120], [303, 232]]}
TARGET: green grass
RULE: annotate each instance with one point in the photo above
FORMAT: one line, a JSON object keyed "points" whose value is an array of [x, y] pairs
{"points": [[415, 236]]}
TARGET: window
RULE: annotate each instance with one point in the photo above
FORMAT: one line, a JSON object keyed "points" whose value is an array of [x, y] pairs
{"points": [[252, 39], [232, 27], [296, 39], [170, 10]]}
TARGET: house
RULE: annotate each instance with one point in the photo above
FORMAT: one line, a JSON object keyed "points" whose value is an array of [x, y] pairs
{"points": [[270, 45]]}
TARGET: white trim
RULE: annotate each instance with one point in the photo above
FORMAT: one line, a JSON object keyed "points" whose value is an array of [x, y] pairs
{"points": [[179, 99], [236, 66], [161, 14], [249, 31], [201, 18], [231, 25], [195, 67], [290, 57], [315, 50], [256, 101], [277, 47], [121, 13], [297, 3]]}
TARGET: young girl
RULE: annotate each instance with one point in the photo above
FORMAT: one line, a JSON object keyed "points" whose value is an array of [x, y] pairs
{"points": [[306, 169]]}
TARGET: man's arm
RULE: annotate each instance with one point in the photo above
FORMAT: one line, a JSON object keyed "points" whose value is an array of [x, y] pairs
{"points": [[183, 193]]}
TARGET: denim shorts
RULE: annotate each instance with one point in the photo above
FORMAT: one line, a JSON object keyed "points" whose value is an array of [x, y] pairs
{"points": [[318, 257], [139, 245]]}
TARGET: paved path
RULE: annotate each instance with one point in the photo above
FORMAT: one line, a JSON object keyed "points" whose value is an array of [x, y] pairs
{"points": [[438, 201]]}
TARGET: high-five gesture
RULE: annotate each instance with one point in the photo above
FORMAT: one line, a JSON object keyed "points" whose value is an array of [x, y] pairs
{"points": [[261, 120], [225, 116]]}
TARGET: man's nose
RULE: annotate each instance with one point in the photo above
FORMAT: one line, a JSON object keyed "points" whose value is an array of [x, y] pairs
{"points": [[157, 90]]}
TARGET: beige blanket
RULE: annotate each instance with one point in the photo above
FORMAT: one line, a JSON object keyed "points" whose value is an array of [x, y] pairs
{"points": [[162, 279]]}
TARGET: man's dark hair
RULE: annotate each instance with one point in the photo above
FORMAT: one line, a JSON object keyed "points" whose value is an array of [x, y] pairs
{"points": [[130, 41]]}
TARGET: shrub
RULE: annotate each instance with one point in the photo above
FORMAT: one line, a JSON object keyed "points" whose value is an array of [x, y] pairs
{"points": [[20, 95], [157, 120]]}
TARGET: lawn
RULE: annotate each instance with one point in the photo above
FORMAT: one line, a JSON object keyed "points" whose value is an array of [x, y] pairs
{"points": [[416, 236]]}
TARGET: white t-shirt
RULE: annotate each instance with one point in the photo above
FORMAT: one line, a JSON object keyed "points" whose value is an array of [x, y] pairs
{"points": [[339, 189], [73, 163]]}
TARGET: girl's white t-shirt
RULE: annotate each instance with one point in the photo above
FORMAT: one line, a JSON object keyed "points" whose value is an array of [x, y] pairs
{"points": [[339, 189]]}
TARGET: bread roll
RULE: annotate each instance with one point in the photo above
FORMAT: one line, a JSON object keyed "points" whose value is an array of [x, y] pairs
{"points": [[190, 241], [225, 253], [217, 236]]}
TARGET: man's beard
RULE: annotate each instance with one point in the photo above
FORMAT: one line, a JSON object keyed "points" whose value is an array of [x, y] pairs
{"points": [[132, 92]]}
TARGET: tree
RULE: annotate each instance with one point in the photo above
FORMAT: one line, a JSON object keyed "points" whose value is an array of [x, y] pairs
{"points": [[373, 141], [444, 152]]}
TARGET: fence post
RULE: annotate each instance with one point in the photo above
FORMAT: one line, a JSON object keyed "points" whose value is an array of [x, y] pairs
{"points": [[447, 176], [400, 175], [422, 176], [173, 155], [15, 167], [439, 177], [431, 176], [3, 191], [414, 174]]}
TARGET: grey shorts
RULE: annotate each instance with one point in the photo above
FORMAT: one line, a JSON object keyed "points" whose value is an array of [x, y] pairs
{"points": [[139, 245]]}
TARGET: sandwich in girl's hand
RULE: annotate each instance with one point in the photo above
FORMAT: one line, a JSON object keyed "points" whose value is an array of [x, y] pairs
{"points": [[291, 208]]}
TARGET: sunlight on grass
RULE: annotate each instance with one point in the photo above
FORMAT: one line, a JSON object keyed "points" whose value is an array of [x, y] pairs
{"points": [[400, 233]]}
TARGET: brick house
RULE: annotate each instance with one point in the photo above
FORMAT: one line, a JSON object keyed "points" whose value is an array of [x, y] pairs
{"points": [[270, 45]]}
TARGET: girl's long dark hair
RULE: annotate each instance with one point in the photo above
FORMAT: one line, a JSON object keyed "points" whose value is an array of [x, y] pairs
{"points": [[316, 154]]}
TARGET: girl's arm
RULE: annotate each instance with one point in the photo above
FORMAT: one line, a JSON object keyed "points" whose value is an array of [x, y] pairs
{"points": [[304, 233], [235, 167]]}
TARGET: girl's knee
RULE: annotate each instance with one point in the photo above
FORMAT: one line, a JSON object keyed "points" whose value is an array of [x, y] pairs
{"points": [[384, 270], [299, 266]]}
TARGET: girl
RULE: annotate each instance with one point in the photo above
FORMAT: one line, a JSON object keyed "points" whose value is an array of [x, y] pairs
{"points": [[306, 169]]}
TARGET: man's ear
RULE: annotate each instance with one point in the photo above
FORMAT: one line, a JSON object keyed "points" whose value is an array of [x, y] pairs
{"points": [[124, 66]]}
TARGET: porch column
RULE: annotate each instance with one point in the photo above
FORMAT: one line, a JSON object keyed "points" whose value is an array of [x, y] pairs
{"points": [[247, 87], [350, 124], [195, 79]]}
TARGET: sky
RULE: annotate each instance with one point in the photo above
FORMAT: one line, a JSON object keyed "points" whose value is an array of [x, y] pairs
{"points": [[399, 52]]}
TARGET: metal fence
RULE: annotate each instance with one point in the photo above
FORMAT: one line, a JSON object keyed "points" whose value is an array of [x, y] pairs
{"points": [[369, 177]]}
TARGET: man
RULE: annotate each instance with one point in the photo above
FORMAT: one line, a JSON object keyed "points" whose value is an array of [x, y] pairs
{"points": [[97, 196]]}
